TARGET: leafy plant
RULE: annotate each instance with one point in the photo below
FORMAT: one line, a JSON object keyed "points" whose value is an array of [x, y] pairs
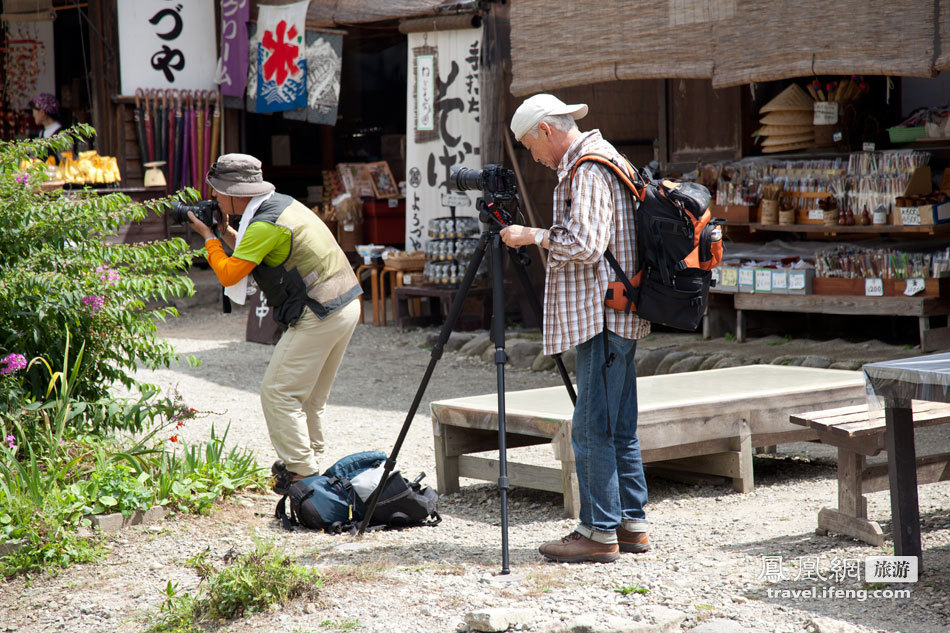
{"points": [[66, 286], [729, 336], [252, 583]]}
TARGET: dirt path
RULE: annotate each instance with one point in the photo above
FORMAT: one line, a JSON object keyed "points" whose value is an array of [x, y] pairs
{"points": [[709, 542]]}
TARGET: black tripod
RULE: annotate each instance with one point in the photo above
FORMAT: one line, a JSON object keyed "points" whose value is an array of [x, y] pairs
{"points": [[494, 211]]}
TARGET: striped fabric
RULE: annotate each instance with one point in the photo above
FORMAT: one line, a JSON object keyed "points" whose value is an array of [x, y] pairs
{"points": [[601, 215]]}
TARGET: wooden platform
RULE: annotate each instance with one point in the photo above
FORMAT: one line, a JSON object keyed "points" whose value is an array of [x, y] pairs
{"points": [[703, 422]]}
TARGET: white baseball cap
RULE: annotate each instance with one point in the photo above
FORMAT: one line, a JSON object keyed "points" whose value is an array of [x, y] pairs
{"points": [[539, 106]]}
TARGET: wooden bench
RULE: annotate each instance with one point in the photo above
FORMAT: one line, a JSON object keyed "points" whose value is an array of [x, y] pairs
{"points": [[859, 434], [692, 424]]}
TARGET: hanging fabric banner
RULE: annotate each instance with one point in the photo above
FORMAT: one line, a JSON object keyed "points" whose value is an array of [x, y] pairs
{"points": [[324, 64], [281, 57], [166, 45], [232, 66], [450, 105]]}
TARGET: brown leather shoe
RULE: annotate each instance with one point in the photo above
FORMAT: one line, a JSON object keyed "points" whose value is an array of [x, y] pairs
{"points": [[636, 542], [577, 548]]}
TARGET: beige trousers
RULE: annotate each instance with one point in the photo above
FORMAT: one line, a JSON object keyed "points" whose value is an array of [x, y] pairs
{"points": [[297, 384]]}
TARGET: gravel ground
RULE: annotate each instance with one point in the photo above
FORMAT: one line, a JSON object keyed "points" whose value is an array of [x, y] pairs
{"points": [[709, 542]]}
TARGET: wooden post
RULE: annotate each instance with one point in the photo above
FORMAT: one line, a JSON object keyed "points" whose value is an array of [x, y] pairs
{"points": [[902, 473]]}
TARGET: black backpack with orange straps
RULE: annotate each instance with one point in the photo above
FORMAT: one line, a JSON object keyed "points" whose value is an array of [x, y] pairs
{"points": [[678, 245]]}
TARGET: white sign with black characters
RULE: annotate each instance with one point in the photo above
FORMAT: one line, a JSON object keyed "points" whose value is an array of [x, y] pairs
{"points": [[451, 107], [166, 44]]}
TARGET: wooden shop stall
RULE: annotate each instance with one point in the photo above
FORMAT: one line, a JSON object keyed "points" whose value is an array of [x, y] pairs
{"points": [[827, 160]]}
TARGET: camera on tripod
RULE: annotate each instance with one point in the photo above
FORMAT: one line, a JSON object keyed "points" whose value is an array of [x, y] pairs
{"points": [[500, 200], [207, 212]]}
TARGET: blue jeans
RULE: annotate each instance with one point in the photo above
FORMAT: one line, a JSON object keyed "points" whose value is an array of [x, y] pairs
{"points": [[609, 469]]}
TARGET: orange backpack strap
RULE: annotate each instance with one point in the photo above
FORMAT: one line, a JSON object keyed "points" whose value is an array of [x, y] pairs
{"points": [[593, 157]]}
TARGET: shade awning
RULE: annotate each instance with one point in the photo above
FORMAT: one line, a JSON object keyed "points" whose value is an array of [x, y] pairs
{"points": [[342, 12], [729, 41]]}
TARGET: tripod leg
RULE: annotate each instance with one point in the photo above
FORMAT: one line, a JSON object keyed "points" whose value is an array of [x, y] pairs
{"points": [[536, 308], [450, 319], [498, 335]]}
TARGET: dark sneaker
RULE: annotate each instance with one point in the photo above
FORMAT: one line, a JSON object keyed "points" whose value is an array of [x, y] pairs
{"points": [[636, 542], [283, 478], [577, 548]]}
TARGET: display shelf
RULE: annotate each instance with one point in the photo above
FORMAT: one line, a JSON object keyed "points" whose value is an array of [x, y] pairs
{"points": [[874, 229]]}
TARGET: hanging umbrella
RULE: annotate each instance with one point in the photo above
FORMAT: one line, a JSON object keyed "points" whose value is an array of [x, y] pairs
{"points": [[156, 126], [201, 99], [162, 121], [186, 145], [179, 138], [193, 128], [215, 129], [170, 135], [140, 127], [149, 130], [206, 163]]}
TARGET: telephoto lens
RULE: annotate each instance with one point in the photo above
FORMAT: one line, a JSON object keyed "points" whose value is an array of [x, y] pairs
{"points": [[465, 179]]}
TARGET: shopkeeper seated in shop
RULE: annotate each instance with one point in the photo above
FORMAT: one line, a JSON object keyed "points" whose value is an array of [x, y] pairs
{"points": [[47, 114]]}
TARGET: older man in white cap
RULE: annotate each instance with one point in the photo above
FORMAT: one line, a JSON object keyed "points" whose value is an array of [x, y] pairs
{"points": [[309, 283], [592, 211]]}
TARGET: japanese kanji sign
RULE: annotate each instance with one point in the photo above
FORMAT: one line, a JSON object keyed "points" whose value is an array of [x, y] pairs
{"points": [[167, 44], [281, 57], [450, 105]]}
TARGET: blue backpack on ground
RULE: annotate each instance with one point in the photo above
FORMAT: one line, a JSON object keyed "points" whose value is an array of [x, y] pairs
{"points": [[330, 502]]}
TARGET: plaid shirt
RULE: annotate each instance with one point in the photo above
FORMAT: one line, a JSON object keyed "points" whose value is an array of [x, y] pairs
{"points": [[600, 216]]}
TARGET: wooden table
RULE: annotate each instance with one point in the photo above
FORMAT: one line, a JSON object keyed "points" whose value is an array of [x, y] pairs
{"points": [[440, 300], [899, 382], [924, 308], [704, 422]]}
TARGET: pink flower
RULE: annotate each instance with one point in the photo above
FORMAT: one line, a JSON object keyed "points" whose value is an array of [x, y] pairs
{"points": [[25, 178], [108, 274], [93, 303], [12, 363], [11, 441]]}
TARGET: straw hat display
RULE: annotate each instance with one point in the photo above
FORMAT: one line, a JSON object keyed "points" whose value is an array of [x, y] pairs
{"points": [[787, 121]]}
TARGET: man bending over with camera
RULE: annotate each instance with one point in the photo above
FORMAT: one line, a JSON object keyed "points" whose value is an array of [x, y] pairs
{"points": [[312, 289], [591, 213]]}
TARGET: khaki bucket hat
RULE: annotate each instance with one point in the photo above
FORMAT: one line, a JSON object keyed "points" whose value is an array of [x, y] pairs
{"points": [[238, 175]]}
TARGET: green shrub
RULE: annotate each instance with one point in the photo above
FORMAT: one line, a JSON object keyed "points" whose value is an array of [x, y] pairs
{"points": [[65, 286], [255, 581]]}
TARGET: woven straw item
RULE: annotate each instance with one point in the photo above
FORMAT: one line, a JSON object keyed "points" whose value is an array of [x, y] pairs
{"points": [[787, 139], [791, 117], [780, 130], [787, 147], [792, 98]]}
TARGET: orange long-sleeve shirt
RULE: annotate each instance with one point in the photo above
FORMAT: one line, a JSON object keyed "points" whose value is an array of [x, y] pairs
{"points": [[229, 270]]}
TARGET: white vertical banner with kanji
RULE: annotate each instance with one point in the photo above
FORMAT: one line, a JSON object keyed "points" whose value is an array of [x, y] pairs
{"points": [[442, 126], [282, 57], [166, 44]]}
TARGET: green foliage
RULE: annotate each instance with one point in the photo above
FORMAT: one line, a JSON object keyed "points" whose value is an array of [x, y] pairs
{"points": [[781, 341], [66, 286], [344, 624], [626, 590], [254, 582], [729, 336], [45, 498]]}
